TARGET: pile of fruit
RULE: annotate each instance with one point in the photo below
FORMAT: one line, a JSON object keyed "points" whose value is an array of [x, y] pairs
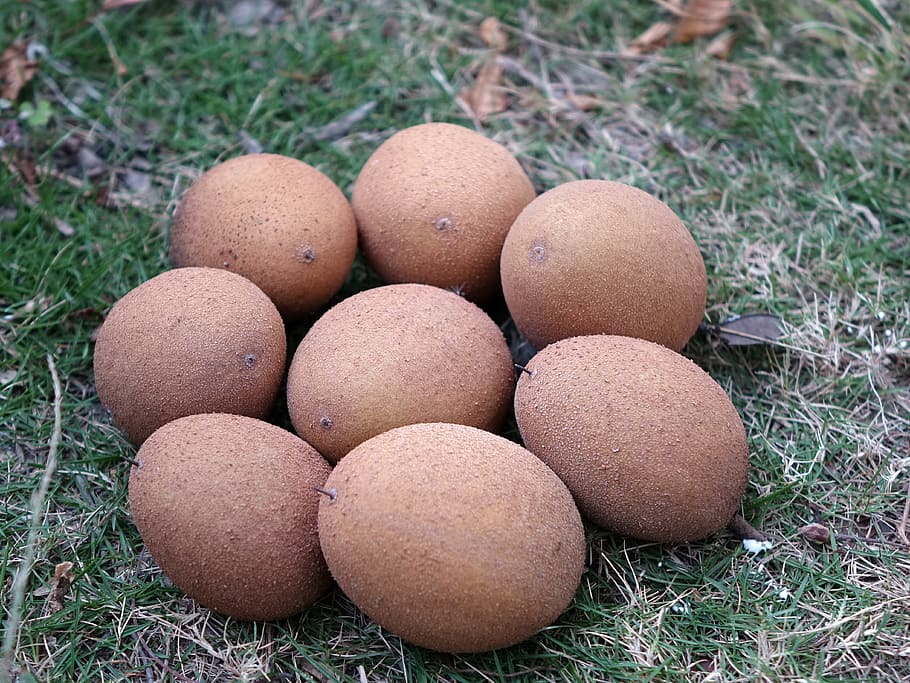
{"points": [[396, 485]]}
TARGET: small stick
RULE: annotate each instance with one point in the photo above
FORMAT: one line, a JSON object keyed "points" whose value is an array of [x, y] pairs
{"points": [[20, 582], [341, 127], [163, 664], [523, 368], [902, 527], [331, 493]]}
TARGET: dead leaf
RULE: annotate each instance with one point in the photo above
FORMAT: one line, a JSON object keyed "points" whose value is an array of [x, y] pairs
{"points": [[64, 228], [492, 35], [702, 18], [655, 37], [485, 97], [817, 533], [114, 4], [721, 46], [60, 585], [16, 69], [754, 328], [585, 102]]}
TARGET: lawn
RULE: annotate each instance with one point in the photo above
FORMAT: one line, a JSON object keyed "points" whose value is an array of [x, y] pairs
{"points": [[787, 161]]}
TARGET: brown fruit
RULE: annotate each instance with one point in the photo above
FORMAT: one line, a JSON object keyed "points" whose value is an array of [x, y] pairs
{"points": [[451, 537], [273, 219], [646, 441], [433, 205], [227, 508], [600, 257], [393, 356], [190, 340]]}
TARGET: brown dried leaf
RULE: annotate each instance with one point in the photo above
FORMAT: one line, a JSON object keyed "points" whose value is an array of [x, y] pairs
{"points": [[655, 37], [817, 533], [492, 35], [585, 102], [114, 4], [721, 46], [63, 579], [16, 69], [485, 97], [752, 328], [702, 18]]}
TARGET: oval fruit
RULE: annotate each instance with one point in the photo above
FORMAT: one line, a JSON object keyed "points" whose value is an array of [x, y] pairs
{"points": [[646, 441], [190, 340], [600, 257], [433, 205], [273, 219], [393, 356], [227, 508], [451, 537]]}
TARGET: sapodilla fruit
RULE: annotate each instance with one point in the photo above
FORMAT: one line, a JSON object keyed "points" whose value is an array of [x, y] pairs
{"points": [[273, 219], [649, 445], [190, 340], [453, 538], [393, 356], [433, 205], [227, 507], [601, 257]]}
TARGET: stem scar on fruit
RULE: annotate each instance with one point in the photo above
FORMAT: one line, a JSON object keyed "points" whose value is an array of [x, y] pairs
{"points": [[331, 493]]}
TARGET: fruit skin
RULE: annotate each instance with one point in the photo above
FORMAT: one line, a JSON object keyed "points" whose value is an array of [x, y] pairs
{"points": [[646, 441], [433, 205], [273, 219], [393, 356], [190, 340], [227, 508], [600, 257], [451, 537]]}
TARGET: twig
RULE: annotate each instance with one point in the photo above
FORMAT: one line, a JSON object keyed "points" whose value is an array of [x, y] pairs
{"points": [[163, 664], [537, 53], [341, 127], [20, 582], [902, 527]]}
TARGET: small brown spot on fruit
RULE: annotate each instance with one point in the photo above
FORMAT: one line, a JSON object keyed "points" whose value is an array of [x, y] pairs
{"points": [[325, 422], [444, 223], [305, 254], [249, 360]]}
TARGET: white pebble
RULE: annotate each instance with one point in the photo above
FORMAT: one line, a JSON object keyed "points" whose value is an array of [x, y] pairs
{"points": [[756, 547]]}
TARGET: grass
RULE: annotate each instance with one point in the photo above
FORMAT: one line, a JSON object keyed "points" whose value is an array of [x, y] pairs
{"points": [[788, 163]]}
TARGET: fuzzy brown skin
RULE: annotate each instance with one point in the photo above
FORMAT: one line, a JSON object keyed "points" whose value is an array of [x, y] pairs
{"points": [[273, 219], [227, 508], [646, 441], [393, 356], [190, 340], [434, 204], [600, 257], [451, 537]]}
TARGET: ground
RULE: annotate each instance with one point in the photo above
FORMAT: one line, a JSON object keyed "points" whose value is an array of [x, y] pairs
{"points": [[787, 160]]}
